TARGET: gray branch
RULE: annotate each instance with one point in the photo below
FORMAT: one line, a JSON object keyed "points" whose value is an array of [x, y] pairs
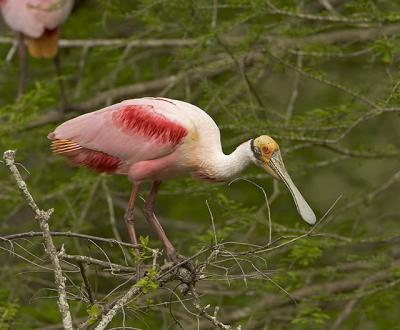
{"points": [[42, 218]]}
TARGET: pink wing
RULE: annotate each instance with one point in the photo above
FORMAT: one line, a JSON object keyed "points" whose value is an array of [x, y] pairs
{"points": [[32, 17], [111, 139]]}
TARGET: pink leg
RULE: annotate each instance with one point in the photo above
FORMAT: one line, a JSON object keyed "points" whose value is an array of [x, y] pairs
{"points": [[23, 61], [129, 216], [149, 213]]}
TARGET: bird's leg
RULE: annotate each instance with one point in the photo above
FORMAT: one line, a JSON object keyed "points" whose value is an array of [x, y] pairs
{"points": [[149, 213], [129, 217], [23, 63], [63, 98], [151, 218]]}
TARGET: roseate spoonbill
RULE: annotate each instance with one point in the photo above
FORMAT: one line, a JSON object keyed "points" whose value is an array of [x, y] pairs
{"points": [[157, 139], [39, 20]]}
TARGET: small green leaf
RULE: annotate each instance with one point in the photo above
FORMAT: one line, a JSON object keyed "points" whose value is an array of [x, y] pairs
{"points": [[93, 313]]}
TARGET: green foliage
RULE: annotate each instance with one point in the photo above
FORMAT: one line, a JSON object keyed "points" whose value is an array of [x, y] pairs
{"points": [[93, 313], [396, 272], [26, 109], [8, 313], [310, 316], [305, 253], [145, 251], [379, 308], [9, 309], [149, 282]]}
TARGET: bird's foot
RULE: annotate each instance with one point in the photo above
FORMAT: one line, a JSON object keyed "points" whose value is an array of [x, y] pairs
{"points": [[186, 273], [141, 271], [177, 258]]}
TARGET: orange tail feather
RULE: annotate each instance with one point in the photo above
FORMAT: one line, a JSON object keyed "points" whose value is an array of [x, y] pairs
{"points": [[45, 46]]}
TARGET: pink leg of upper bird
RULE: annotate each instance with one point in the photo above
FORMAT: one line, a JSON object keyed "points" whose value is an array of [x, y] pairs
{"points": [[23, 61], [129, 216], [151, 218]]}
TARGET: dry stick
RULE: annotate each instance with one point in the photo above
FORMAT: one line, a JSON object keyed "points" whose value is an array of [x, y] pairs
{"points": [[106, 319], [43, 217], [86, 282], [327, 54], [93, 261], [322, 18], [67, 234], [212, 318], [117, 43]]}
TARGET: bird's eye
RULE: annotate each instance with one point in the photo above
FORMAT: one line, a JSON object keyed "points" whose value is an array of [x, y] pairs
{"points": [[265, 150], [255, 149]]}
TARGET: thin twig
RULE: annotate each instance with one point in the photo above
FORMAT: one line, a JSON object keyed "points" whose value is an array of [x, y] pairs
{"points": [[93, 261], [67, 234], [212, 318], [86, 282]]}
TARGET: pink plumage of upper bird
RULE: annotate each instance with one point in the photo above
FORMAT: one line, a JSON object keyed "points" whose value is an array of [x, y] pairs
{"points": [[157, 139], [39, 20]]}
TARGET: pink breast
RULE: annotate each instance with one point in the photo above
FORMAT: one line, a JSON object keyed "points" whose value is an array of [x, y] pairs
{"points": [[164, 168]]}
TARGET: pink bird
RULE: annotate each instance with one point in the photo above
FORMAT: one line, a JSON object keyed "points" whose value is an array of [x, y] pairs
{"points": [[39, 20], [157, 139]]}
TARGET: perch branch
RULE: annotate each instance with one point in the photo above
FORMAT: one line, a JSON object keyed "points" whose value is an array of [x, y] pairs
{"points": [[43, 217]]}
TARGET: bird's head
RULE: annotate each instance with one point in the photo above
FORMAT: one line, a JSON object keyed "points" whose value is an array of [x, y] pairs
{"points": [[267, 155]]}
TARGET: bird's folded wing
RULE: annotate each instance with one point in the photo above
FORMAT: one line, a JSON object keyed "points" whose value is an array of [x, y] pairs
{"points": [[131, 131]]}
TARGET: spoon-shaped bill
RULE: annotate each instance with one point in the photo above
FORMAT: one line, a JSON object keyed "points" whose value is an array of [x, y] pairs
{"points": [[305, 211]]}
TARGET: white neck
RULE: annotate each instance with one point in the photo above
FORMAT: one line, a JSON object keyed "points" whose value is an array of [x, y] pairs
{"points": [[225, 167]]}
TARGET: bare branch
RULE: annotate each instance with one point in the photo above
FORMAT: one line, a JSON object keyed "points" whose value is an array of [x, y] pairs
{"points": [[67, 234], [86, 282], [92, 261], [43, 217]]}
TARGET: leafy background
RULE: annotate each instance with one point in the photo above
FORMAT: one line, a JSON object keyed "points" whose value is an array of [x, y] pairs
{"points": [[322, 77]]}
